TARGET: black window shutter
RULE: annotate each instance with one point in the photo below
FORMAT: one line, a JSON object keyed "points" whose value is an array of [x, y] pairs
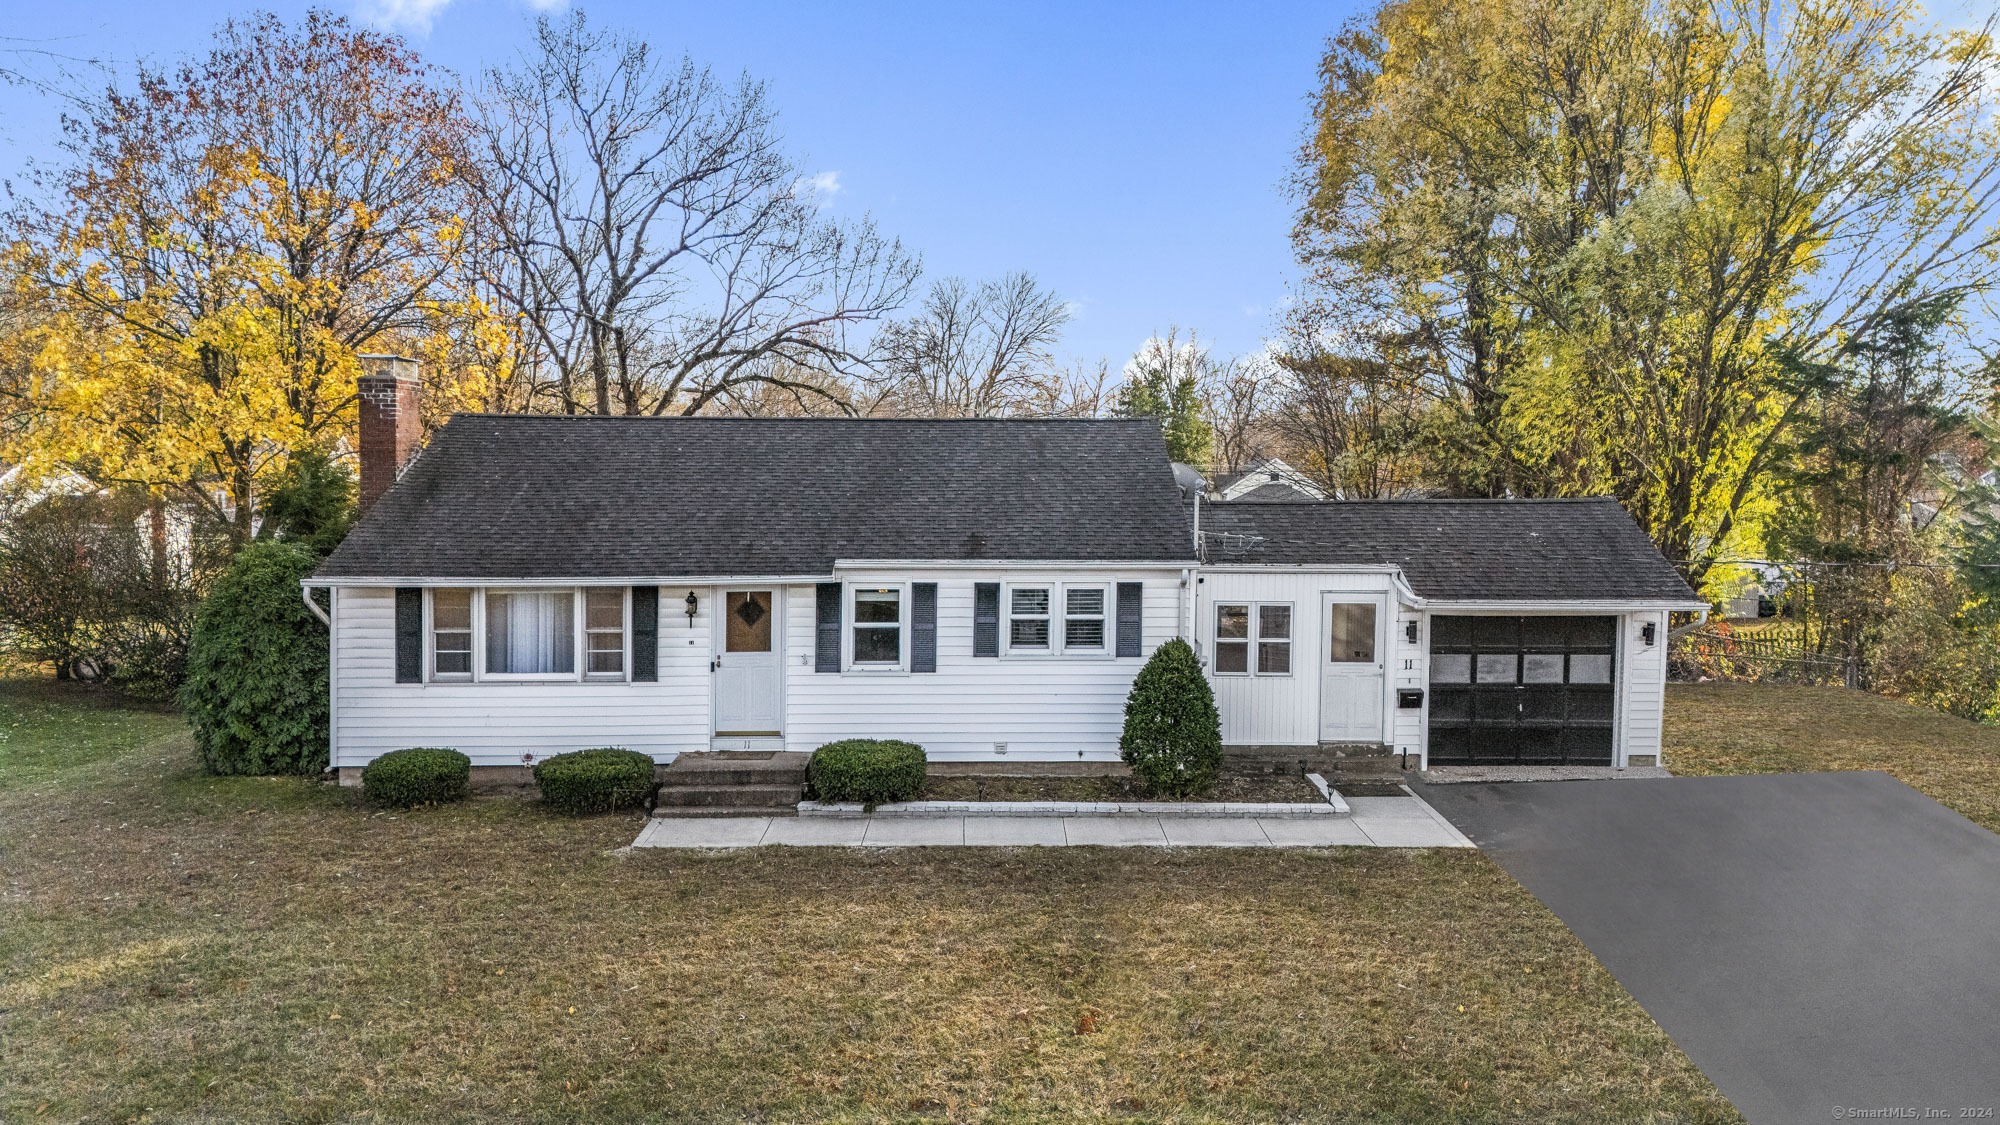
{"points": [[923, 627], [827, 657], [1130, 601], [986, 619], [409, 635], [645, 634]]}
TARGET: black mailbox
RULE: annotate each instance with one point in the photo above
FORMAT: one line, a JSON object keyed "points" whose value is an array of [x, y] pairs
{"points": [[1409, 698]]}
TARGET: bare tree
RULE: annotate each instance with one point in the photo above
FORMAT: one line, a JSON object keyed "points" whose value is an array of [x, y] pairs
{"points": [[662, 252], [972, 352], [1239, 404], [1350, 425]]}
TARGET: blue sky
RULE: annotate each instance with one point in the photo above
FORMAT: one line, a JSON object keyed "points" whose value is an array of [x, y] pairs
{"points": [[1132, 155]]}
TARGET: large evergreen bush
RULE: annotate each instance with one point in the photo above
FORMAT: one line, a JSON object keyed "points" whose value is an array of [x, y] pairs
{"points": [[1173, 734], [256, 691]]}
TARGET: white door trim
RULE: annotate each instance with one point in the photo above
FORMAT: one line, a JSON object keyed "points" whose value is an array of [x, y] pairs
{"points": [[1322, 664], [773, 663]]}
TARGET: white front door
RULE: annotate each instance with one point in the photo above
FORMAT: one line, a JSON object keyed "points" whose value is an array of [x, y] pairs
{"points": [[747, 687], [1351, 668]]}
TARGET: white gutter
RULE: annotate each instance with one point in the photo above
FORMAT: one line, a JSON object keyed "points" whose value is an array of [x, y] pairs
{"points": [[753, 579], [1676, 634], [1012, 564], [1578, 607]]}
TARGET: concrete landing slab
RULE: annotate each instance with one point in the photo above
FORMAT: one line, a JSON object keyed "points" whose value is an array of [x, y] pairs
{"points": [[1292, 832]]}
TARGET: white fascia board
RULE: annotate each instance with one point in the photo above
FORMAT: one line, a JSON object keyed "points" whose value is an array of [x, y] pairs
{"points": [[1554, 606], [1173, 565], [593, 580]]}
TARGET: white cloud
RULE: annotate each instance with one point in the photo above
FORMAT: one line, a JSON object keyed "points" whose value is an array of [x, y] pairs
{"points": [[826, 183], [547, 5], [413, 16]]}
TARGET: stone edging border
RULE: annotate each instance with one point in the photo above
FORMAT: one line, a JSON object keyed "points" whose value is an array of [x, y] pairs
{"points": [[1334, 806]]}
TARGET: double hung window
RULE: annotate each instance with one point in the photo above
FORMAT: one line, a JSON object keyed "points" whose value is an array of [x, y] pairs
{"points": [[878, 626], [1057, 617], [1246, 628]]}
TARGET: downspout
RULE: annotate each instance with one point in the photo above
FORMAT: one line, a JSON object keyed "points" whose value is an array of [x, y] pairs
{"points": [[306, 592]]}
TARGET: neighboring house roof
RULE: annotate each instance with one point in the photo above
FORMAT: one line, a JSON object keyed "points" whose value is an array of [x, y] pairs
{"points": [[1275, 492], [540, 496], [1259, 475], [1459, 550]]}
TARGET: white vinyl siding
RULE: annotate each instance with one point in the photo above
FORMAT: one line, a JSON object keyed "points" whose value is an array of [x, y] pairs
{"points": [[1644, 680], [1043, 709], [497, 723], [1273, 709]]}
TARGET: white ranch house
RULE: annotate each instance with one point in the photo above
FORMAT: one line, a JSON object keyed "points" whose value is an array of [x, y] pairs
{"points": [[531, 585]]}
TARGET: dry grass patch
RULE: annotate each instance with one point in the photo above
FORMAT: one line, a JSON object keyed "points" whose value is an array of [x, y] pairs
{"points": [[1771, 728], [175, 947]]}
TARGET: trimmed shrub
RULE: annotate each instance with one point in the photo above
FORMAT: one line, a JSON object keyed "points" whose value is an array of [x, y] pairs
{"points": [[1173, 734], [421, 775], [873, 771], [589, 781], [256, 680]]}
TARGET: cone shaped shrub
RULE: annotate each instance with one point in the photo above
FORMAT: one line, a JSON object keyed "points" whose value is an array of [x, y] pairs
{"points": [[1173, 734], [255, 692]]}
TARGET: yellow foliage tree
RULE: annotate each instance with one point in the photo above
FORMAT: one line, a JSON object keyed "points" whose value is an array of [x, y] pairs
{"points": [[230, 236]]}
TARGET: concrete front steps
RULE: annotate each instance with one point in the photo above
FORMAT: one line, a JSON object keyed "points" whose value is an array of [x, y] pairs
{"points": [[732, 783]]}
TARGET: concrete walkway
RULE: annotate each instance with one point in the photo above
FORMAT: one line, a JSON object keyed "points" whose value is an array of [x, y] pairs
{"points": [[1377, 822]]}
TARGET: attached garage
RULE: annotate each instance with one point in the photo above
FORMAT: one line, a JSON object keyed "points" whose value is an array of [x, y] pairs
{"points": [[1513, 632], [1523, 690]]}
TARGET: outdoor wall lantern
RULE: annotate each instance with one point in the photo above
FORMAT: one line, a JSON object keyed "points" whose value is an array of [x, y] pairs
{"points": [[692, 603], [1410, 630], [1646, 631]]}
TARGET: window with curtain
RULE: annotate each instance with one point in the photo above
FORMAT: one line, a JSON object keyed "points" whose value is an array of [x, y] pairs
{"points": [[604, 632], [451, 634], [531, 632]]}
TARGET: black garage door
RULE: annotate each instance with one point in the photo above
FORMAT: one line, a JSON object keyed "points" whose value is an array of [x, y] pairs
{"points": [[1522, 690]]}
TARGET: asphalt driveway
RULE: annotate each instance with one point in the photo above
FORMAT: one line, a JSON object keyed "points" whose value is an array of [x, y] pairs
{"points": [[1824, 946]]}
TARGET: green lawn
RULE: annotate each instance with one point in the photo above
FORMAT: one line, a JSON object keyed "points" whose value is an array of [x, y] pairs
{"points": [[1771, 728], [175, 947]]}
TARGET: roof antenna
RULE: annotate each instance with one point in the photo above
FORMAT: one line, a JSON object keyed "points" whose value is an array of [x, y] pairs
{"points": [[1191, 484]]}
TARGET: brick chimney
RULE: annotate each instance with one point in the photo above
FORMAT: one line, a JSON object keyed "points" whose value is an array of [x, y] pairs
{"points": [[389, 424]]}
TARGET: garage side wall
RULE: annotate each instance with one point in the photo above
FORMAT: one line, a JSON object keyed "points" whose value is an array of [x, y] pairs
{"points": [[1644, 698]]}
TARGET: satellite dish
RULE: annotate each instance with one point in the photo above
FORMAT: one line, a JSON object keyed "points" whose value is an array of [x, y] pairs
{"points": [[1189, 479]]}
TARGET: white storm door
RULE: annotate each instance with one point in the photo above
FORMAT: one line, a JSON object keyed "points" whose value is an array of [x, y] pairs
{"points": [[747, 688], [1351, 668]]}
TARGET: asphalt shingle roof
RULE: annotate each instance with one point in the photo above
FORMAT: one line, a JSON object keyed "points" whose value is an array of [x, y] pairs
{"points": [[1460, 550], [537, 496]]}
